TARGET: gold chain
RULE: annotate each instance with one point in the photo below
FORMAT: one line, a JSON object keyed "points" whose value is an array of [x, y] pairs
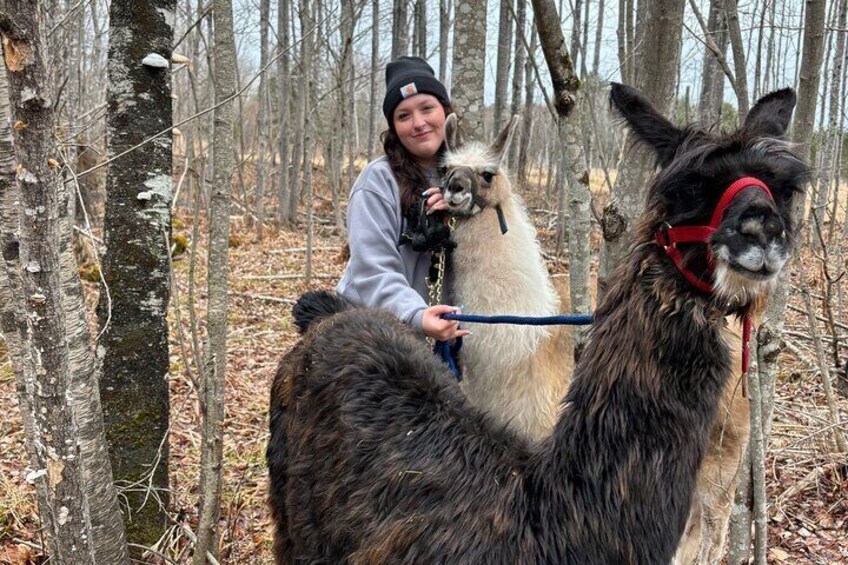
{"points": [[435, 288]]}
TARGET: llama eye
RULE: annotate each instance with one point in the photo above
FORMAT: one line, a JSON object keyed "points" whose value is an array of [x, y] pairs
{"points": [[487, 176]]}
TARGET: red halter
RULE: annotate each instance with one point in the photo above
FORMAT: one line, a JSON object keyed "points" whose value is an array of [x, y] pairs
{"points": [[670, 236]]}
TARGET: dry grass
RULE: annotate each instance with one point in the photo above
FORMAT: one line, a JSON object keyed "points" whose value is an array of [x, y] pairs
{"points": [[809, 527]]}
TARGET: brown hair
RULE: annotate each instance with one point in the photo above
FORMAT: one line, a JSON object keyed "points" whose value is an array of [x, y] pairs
{"points": [[410, 176]]}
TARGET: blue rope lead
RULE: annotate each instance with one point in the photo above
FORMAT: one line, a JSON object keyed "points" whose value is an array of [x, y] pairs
{"points": [[448, 353], [566, 320]]}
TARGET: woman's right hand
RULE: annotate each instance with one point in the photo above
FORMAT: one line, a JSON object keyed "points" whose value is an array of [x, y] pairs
{"points": [[439, 329], [434, 199]]}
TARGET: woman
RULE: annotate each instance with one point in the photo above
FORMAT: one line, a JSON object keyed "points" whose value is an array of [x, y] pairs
{"points": [[385, 200]]}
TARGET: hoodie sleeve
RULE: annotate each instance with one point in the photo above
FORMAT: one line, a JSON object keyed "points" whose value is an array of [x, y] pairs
{"points": [[376, 271]]}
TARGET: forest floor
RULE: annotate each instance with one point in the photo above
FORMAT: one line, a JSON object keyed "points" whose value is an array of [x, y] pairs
{"points": [[808, 497]]}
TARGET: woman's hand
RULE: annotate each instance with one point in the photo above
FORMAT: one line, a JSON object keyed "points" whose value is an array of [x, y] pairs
{"points": [[437, 328], [434, 199]]}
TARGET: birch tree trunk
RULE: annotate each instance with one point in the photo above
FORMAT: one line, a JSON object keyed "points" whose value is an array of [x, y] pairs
{"points": [[502, 68], [469, 66], [771, 329], [566, 98], [133, 305], [37, 314], [655, 75], [521, 56], [212, 391]]}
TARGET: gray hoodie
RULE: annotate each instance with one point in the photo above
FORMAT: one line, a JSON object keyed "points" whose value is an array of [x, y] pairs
{"points": [[381, 273]]}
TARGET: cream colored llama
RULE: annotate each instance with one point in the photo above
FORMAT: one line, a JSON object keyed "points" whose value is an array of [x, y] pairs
{"points": [[519, 374]]}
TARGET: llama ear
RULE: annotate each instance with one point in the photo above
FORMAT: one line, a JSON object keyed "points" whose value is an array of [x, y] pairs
{"points": [[771, 114], [501, 145], [646, 123], [452, 140]]}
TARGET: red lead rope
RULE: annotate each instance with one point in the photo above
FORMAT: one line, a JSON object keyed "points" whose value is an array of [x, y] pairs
{"points": [[669, 237]]}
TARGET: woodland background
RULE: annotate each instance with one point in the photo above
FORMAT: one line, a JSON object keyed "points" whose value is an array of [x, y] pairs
{"points": [[190, 162]]}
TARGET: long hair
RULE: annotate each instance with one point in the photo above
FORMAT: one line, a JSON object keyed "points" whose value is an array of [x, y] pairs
{"points": [[410, 176]]}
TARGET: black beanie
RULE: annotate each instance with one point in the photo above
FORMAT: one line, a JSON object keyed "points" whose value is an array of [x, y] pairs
{"points": [[407, 76]]}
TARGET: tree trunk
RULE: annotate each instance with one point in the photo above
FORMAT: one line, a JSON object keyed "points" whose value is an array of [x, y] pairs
{"points": [[212, 391], [444, 34], [527, 121], [770, 331], [419, 47], [37, 312], [468, 68], [712, 76], [596, 56], [400, 36], [566, 93], [374, 105], [655, 75], [261, 125], [740, 86], [502, 69], [518, 72], [308, 48], [133, 304], [283, 85]]}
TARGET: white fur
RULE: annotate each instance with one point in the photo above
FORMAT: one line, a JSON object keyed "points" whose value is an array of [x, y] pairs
{"points": [[518, 374]]}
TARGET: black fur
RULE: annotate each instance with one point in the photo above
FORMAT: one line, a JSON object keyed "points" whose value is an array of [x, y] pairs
{"points": [[375, 457], [316, 305]]}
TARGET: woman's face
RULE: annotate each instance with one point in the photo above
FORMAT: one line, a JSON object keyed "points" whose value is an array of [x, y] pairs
{"points": [[420, 125]]}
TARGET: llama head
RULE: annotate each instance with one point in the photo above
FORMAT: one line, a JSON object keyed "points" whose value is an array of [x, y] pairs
{"points": [[475, 175], [736, 236]]}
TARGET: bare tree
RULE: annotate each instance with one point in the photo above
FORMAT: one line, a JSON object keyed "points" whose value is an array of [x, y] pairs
{"points": [[419, 35], [502, 67], [133, 303], [374, 100], [262, 126], [34, 280], [212, 393], [655, 74], [712, 76], [521, 56], [566, 98], [740, 85], [400, 39], [468, 67], [444, 31], [770, 331], [284, 101]]}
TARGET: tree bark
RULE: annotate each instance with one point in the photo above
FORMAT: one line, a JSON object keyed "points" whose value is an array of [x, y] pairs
{"points": [[502, 68], [655, 75], [284, 88], [400, 38], [596, 56], [261, 120], [565, 93], [212, 392], [469, 66], [133, 304], [771, 329], [373, 114], [521, 57], [740, 86], [444, 34], [712, 77], [44, 367]]}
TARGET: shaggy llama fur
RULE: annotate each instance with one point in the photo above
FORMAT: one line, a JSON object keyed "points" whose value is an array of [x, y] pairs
{"points": [[375, 456]]}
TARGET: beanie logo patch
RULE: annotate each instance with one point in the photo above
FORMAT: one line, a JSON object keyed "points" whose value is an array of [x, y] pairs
{"points": [[408, 90]]}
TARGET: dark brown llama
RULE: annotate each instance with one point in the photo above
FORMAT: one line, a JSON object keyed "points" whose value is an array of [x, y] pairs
{"points": [[376, 457]]}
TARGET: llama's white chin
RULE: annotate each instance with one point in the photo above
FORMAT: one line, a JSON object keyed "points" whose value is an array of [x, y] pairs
{"points": [[740, 285]]}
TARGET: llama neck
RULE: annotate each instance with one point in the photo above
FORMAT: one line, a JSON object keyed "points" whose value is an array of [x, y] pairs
{"points": [[624, 455]]}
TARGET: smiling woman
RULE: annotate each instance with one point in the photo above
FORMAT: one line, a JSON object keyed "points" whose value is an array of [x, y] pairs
{"points": [[385, 270]]}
